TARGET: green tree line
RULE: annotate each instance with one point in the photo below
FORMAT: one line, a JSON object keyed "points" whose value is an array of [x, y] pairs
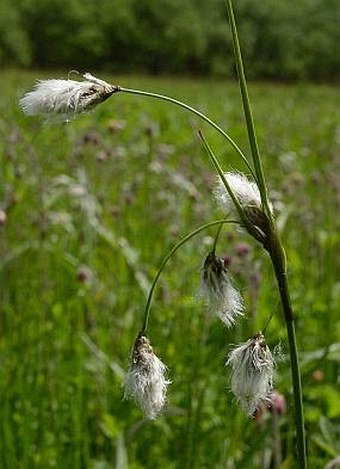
{"points": [[282, 39]]}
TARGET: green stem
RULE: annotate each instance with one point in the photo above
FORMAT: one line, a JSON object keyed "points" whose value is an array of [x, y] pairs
{"points": [[273, 245], [268, 322], [248, 111], [198, 113], [217, 235], [278, 258], [165, 261]]}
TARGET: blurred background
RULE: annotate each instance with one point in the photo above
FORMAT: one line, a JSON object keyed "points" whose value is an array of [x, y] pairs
{"points": [[89, 209], [282, 40]]}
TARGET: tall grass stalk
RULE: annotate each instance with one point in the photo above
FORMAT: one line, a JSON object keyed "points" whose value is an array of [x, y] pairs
{"points": [[273, 245]]}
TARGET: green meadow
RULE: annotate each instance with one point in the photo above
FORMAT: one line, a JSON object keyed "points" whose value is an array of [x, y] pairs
{"points": [[89, 209]]}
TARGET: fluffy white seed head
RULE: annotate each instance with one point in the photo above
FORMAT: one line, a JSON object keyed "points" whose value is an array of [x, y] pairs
{"points": [[249, 197], [252, 372], [246, 192], [66, 98], [221, 297], [146, 380]]}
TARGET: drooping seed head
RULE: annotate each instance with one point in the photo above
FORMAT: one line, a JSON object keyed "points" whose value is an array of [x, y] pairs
{"points": [[252, 366], [66, 98], [221, 297], [146, 380]]}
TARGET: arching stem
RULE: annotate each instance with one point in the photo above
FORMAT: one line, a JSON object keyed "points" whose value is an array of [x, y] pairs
{"points": [[197, 113], [184, 240]]}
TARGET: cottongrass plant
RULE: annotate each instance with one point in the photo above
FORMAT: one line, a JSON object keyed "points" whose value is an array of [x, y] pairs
{"points": [[146, 380], [66, 98], [222, 298], [252, 363], [252, 366]]}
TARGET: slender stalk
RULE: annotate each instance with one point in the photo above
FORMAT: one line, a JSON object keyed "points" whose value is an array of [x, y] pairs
{"points": [[165, 261], [217, 235], [248, 111], [274, 247], [198, 113], [279, 263], [268, 322]]}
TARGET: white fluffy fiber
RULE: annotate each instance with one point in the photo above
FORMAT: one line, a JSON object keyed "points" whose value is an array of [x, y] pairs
{"points": [[222, 298], [252, 373], [65, 97], [146, 380], [246, 191]]}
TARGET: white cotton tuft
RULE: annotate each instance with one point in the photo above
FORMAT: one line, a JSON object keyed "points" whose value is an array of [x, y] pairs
{"points": [[248, 195], [65, 98], [246, 192], [252, 373], [146, 381], [222, 298]]}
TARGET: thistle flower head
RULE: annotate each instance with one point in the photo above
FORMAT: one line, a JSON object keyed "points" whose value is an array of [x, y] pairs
{"points": [[65, 98], [252, 372], [249, 197], [146, 381], [223, 300]]}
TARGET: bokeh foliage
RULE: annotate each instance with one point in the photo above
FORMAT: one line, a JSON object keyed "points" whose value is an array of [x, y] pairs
{"points": [[92, 207], [282, 40]]}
